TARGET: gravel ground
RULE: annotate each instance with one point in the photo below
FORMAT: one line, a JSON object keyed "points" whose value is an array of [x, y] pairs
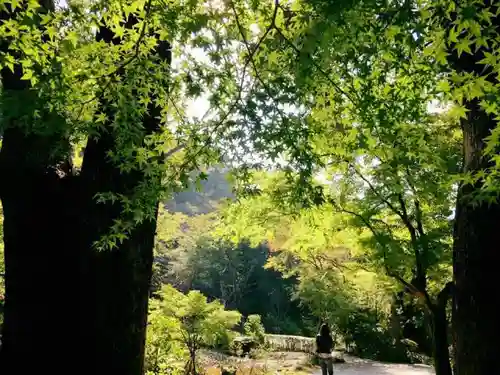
{"points": [[356, 366]]}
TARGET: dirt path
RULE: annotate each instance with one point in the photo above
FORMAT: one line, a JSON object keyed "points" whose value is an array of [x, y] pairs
{"points": [[356, 366], [297, 363]]}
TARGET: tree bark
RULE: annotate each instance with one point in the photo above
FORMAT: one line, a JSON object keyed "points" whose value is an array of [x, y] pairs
{"points": [[441, 351], [475, 252], [40, 306], [475, 261], [440, 338], [39, 268], [70, 308]]}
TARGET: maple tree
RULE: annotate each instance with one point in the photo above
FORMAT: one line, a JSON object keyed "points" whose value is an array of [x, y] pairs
{"points": [[94, 133], [363, 75]]}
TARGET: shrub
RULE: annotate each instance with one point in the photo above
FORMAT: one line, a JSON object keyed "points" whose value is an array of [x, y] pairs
{"points": [[368, 338], [254, 328], [180, 325], [165, 353]]}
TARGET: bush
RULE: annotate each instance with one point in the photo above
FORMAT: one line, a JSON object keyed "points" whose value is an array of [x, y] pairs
{"points": [[254, 328], [180, 325], [366, 337], [222, 340], [165, 352]]}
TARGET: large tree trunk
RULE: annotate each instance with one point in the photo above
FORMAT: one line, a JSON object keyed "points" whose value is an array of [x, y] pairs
{"points": [[117, 289], [475, 250], [475, 253], [40, 268], [440, 337], [475, 263], [70, 308]]}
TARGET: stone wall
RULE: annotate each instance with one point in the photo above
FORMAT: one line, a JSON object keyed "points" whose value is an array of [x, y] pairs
{"points": [[290, 343]]}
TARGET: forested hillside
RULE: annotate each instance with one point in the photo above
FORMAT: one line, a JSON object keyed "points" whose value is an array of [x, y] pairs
{"points": [[204, 198], [190, 256]]}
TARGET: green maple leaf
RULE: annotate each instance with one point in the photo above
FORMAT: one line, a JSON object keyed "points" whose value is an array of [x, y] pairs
{"points": [[489, 107], [463, 46], [444, 86], [489, 59], [459, 111], [441, 55], [28, 74]]}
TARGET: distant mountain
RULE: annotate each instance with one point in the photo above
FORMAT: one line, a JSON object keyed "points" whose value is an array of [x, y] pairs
{"points": [[215, 189]]}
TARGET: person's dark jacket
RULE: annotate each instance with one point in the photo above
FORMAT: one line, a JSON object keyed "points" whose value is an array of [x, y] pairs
{"points": [[324, 344]]}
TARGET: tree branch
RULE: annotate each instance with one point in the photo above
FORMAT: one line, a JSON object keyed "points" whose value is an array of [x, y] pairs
{"points": [[314, 63], [412, 288], [418, 211], [418, 218], [403, 214], [173, 150], [249, 50], [249, 59], [407, 221], [445, 294], [375, 191], [420, 270]]}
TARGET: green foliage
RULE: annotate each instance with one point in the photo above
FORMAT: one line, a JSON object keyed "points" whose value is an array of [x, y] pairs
{"points": [[366, 335], [372, 155], [391, 167], [182, 324], [467, 35], [325, 250], [253, 327], [165, 351], [202, 323], [75, 87], [189, 255], [339, 90]]}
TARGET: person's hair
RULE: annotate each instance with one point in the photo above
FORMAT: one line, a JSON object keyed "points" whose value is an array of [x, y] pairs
{"points": [[324, 330]]}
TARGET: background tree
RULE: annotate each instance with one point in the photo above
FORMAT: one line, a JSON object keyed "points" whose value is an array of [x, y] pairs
{"points": [[253, 327], [165, 353], [200, 323], [321, 249], [369, 114], [400, 51], [191, 256]]}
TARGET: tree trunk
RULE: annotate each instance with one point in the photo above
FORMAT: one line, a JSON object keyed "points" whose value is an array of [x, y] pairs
{"points": [[40, 268], [192, 356], [475, 262], [475, 251], [69, 307], [41, 313], [440, 337], [441, 351], [117, 287]]}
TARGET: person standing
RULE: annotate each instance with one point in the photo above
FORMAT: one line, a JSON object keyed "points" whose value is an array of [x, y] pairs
{"points": [[324, 347]]}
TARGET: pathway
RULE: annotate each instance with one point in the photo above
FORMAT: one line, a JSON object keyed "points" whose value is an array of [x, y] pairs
{"points": [[356, 366]]}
